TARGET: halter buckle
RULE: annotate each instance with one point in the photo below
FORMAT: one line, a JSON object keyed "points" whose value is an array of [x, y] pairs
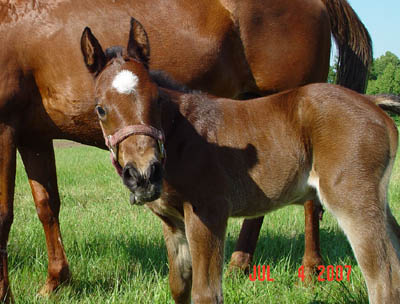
{"points": [[161, 148], [113, 149]]}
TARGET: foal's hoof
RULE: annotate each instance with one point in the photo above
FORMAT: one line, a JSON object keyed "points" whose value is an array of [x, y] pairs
{"points": [[53, 283], [240, 261]]}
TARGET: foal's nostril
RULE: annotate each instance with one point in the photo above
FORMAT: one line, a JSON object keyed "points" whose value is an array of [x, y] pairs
{"points": [[134, 180], [155, 172], [131, 176]]}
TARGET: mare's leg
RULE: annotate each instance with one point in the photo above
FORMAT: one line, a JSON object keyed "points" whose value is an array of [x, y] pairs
{"points": [[180, 261], [40, 167], [312, 255], [7, 183], [205, 231], [246, 245]]}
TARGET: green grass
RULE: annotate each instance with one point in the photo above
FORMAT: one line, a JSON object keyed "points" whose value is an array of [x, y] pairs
{"points": [[117, 254]]}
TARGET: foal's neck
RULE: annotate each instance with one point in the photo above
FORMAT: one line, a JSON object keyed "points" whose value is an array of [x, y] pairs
{"points": [[195, 110]]}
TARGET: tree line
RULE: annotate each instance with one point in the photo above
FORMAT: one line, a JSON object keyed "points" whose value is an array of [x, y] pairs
{"points": [[384, 75]]}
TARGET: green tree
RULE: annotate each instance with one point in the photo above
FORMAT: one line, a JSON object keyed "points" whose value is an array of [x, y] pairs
{"points": [[333, 71], [387, 82], [332, 74], [379, 65], [384, 75]]}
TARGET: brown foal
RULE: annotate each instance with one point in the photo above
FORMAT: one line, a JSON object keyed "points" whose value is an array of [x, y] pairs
{"points": [[230, 48], [246, 158]]}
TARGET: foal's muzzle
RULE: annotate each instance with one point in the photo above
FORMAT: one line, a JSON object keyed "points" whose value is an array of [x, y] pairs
{"points": [[112, 141], [145, 186]]}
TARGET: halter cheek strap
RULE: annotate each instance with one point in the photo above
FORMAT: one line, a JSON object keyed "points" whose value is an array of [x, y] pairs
{"points": [[112, 141]]}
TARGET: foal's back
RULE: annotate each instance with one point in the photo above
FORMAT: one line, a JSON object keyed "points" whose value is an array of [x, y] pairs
{"points": [[271, 150], [318, 141], [319, 113]]}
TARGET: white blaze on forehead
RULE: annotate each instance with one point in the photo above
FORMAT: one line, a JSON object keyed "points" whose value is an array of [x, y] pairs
{"points": [[125, 82]]}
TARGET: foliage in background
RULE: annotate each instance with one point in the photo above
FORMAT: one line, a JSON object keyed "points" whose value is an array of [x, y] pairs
{"points": [[332, 72], [384, 77]]}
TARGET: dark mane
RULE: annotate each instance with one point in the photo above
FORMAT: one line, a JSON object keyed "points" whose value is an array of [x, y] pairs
{"points": [[164, 80], [194, 106], [161, 78], [114, 52]]}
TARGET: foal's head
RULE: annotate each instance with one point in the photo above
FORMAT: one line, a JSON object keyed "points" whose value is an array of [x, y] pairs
{"points": [[128, 110]]}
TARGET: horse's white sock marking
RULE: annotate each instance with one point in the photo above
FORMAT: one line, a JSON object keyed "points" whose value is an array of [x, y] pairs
{"points": [[125, 82]]}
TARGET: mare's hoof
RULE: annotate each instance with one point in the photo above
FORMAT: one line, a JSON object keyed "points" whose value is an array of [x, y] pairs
{"points": [[240, 261], [6, 297], [311, 271], [53, 283]]}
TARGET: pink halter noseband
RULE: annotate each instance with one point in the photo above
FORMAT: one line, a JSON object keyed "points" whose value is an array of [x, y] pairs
{"points": [[112, 141]]}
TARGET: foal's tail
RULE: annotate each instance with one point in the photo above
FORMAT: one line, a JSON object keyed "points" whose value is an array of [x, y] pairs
{"points": [[354, 44], [387, 102]]}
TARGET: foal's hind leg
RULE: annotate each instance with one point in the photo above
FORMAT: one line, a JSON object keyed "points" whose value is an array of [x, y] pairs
{"points": [[7, 183], [40, 167], [371, 235], [394, 226]]}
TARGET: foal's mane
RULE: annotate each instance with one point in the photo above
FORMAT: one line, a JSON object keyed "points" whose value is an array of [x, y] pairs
{"points": [[195, 106], [161, 78]]}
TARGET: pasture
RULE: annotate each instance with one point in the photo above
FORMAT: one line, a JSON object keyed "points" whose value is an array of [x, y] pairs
{"points": [[117, 253]]}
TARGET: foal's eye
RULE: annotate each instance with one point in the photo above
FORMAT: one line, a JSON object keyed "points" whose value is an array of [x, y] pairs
{"points": [[100, 111]]}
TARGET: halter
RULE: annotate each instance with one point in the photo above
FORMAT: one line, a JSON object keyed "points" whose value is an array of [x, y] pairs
{"points": [[112, 141]]}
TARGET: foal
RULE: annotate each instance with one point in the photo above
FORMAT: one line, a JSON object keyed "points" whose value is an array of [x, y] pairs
{"points": [[245, 158]]}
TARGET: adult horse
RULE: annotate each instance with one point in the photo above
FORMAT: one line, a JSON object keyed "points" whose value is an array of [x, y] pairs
{"points": [[229, 158], [230, 48]]}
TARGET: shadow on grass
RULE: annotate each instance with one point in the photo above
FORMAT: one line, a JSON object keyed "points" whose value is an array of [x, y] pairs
{"points": [[103, 262], [136, 258], [273, 248]]}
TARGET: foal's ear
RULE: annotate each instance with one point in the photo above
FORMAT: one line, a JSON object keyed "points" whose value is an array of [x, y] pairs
{"points": [[138, 45], [93, 54]]}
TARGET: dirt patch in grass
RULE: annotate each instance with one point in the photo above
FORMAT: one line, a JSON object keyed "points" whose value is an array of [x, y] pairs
{"points": [[62, 143]]}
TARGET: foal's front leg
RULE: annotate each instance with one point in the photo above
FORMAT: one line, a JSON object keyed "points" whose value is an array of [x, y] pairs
{"points": [[179, 259], [205, 230]]}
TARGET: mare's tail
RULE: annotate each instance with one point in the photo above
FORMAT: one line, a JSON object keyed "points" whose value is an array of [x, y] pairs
{"points": [[354, 45]]}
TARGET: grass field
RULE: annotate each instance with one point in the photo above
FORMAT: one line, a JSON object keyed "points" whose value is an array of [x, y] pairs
{"points": [[117, 253]]}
